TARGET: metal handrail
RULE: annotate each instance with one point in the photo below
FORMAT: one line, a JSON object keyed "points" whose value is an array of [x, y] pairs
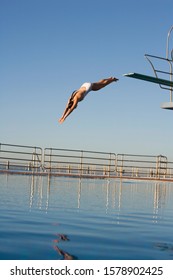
{"points": [[82, 160], [168, 60], [158, 166], [167, 43], [65, 162], [23, 157], [170, 73]]}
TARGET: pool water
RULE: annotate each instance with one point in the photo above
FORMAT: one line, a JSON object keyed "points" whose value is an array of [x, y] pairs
{"points": [[64, 218]]}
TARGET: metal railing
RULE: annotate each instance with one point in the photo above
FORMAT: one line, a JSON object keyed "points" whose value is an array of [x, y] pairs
{"points": [[20, 158], [144, 166], [152, 59], [77, 162], [161, 73]]}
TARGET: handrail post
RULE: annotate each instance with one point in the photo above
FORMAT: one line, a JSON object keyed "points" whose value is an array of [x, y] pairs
{"points": [[50, 156], [167, 44], [81, 162]]}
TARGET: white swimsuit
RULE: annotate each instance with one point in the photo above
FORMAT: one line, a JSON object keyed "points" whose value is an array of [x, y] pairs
{"points": [[88, 87]]}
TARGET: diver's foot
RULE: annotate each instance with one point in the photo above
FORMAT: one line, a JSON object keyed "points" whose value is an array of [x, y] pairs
{"points": [[115, 79]]}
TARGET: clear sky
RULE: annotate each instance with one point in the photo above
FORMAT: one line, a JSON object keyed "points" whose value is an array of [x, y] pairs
{"points": [[48, 48]]}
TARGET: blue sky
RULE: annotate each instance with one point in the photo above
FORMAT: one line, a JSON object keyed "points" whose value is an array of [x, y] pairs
{"points": [[50, 47]]}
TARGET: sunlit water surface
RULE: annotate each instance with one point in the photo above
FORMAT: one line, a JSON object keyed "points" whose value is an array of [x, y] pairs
{"points": [[64, 218]]}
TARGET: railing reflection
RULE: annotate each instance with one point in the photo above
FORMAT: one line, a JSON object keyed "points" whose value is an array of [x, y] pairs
{"points": [[39, 193], [112, 197], [159, 200]]}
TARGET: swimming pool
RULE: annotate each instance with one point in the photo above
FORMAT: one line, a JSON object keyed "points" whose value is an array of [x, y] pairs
{"points": [[65, 218]]}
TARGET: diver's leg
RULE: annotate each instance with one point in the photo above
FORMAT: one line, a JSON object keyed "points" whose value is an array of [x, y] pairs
{"points": [[102, 83]]}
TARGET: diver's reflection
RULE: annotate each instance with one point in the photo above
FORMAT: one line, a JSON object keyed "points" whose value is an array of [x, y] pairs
{"points": [[61, 237], [65, 255]]}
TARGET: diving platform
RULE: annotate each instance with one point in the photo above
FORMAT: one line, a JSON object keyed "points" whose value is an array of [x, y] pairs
{"points": [[160, 74], [167, 105], [150, 79]]}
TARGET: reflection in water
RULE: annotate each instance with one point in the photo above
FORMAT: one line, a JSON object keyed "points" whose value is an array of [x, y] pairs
{"points": [[79, 193], [61, 237], [115, 197], [117, 193], [70, 216], [167, 247], [65, 255], [36, 193], [159, 200]]}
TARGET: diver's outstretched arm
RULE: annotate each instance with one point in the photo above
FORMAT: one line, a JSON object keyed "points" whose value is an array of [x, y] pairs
{"points": [[68, 111]]}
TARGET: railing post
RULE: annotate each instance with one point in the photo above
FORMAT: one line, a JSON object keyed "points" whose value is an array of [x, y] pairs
{"points": [[69, 169], [29, 166], [8, 165], [81, 163], [157, 166], [167, 44], [50, 159]]}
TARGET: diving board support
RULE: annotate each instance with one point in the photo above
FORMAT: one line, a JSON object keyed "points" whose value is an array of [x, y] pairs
{"points": [[167, 105]]}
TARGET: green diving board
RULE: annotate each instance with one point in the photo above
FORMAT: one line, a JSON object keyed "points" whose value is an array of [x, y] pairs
{"points": [[150, 79]]}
